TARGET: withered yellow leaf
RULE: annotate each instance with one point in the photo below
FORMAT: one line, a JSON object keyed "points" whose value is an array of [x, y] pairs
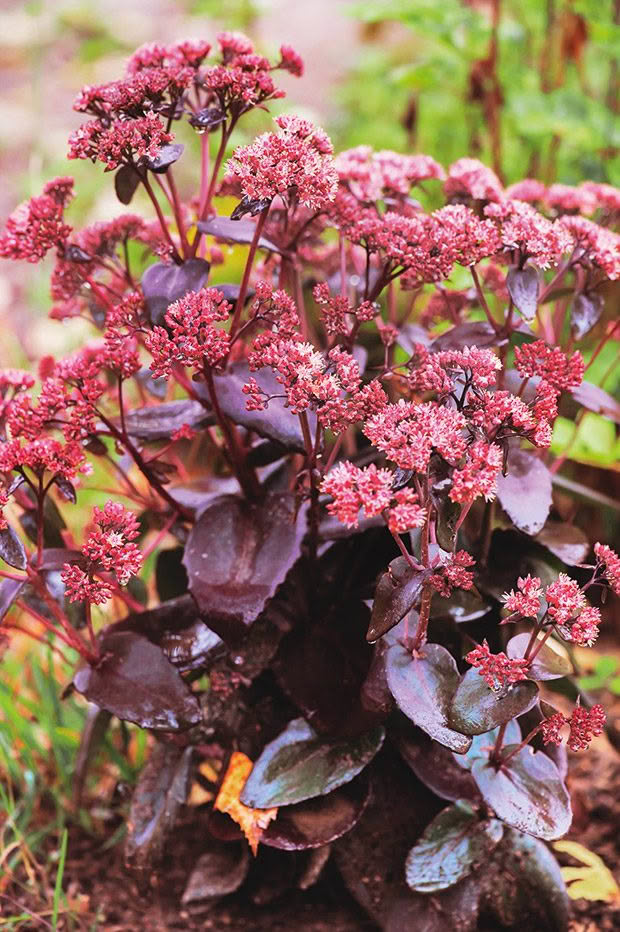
{"points": [[593, 881], [252, 822]]}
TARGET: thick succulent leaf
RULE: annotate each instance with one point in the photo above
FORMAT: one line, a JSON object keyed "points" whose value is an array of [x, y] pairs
{"points": [[525, 492], [472, 333], [126, 182], [319, 821], [565, 541], [159, 794], [136, 682], [434, 764], [219, 871], [11, 549], [476, 708], [585, 313], [549, 663], [54, 558], [237, 555], [527, 890], [524, 287], [482, 745], [598, 400], [235, 231], [396, 593], [166, 157], [276, 422], [159, 422], [66, 489], [527, 793], [423, 687], [298, 765], [462, 606], [162, 284], [10, 591], [454, 844]]}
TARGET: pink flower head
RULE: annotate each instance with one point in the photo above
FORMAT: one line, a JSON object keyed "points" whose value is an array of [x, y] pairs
{"points": [[371, 176], [478, 475], [604, 195], [584, 725], [527, 190], [121, 143], [470, 178], [594, 246], [562, 372], [472, 239], [522, 228], [551, 728], [564, 599], [611, 561], [405, 513], [408, 433], [565, 199], [527, 600], [184, 432], [441, 371], [37, 225], [416, 245], [294, 163], [290, 61], [453, 573], [498, 670], [584, 630], [44, 455], [370, 488], [193, 340]]}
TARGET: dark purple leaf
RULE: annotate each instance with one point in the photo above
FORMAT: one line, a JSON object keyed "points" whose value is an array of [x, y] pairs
{"points": [[473, 333], [12, 550], [16, 482], [318, 821], [73, 253], [476, 708], [455, 843], [527, 793], [159, 794], [375, 696], [276, 422], [91, 738], [397, 592], [565, 541], [482, 745], [159, 422], [525, 493], [53, 524], [136, 682], [217, 872], [235, 231], [265, 452], [162, 284], [66, 489], [237, 555], [527, 890], [166, 157], [423, 687], [158, 388], [10, 591], [524, 287], [126, 182], [251, 206], [207, 119], [231, 292], [585, 313], [548, 664], [331, 528], [191, 648], [433, 764], [298, 765], [462, 606], [596, 399], [54, 558], [96, 446], [170, 574]]}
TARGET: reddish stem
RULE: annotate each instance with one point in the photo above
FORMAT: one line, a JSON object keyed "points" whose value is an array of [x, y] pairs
{"points": [[246, 273]]}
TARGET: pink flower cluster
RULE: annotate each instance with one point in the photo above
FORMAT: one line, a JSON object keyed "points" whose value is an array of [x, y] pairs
{"points": [[584, 725], [192, 339], [469, 178], [576, 620], [526, 601], [478, 475], [445, 371], [123, 142], [409, 433], [37, 225], [295, 164], [109, 548], [371, 176], [352, 489], [452, 572], [562, 372], [498, 670], [337, 312], [611, 561], [43, 455], [594, 246], [524, 230]]}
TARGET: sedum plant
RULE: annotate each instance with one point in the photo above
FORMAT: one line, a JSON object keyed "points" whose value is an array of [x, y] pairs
{"points": [[326, 575]]}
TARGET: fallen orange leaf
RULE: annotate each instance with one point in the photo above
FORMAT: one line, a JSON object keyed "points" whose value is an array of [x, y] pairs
{"points": [[252, 822]]}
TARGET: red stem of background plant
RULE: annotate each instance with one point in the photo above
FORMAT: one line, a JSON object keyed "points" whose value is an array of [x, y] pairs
{"points": [[243, 290]]}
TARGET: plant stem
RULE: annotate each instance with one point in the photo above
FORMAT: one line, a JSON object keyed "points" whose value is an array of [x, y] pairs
{"points": [[162, 220], [246, 477], [246, 273], [483, 300]]}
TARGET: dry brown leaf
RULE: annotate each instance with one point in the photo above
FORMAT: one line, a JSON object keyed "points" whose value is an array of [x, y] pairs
{"points": [[252, 822]]}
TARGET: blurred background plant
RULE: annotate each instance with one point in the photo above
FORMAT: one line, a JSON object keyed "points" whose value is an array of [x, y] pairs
{"points": [[530, 87]]}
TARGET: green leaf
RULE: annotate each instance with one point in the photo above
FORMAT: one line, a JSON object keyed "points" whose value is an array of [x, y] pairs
{"points": [[299, 765], [423, 687], [452, 846], [527, 793], [476, 708]]}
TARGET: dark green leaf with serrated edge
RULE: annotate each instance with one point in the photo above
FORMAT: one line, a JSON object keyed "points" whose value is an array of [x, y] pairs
{"points": [[527, 793], [298, 765], [452, 846], [548, 663], [423, 688], [476, 708]]}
